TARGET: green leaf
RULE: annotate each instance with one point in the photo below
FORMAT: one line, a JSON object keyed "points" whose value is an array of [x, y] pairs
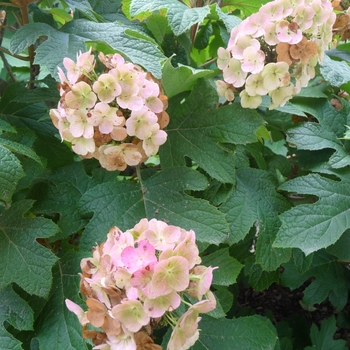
{"points": [[256, 202], [17, 313], [76, 34], [180, 17], [57, 327], [229, 268], [158, 25], [246, 7], [181, 78], [261, 280], [28, 116], [25, 261], [61, 195], [342, 54], [196, 130], [314, 136], [230, 21], [20, 149], [323, 339], [10, 172], [311, 227], [335, 72], [123, 204], [4, 126], [340, 247], [242, 333], [330, 280], [84, 7]]}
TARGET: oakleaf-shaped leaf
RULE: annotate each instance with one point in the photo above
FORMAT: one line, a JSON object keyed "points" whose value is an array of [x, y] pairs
{"points": [[85, 7], [313, 136], [250, 332], [326, 133], [72, 38], [16, 312], [248, 7], [311, 227], [255, 201], [181, 78], [10, 172], [161, 197], [61, 195], [180, 17], [24, 260], [57, 327], [329, 280], [323, 339], [197, 128]]}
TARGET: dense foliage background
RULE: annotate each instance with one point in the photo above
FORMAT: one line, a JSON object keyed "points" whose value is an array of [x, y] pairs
{"points": [[266, 191]]}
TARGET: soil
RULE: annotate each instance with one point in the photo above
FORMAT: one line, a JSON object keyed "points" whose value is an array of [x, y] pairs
{"points": [[281, 304]]}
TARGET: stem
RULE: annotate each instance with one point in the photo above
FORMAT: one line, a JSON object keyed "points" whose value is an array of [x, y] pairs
{"points": [[23, 58], [138, 173], [208, 62], [10, 4], [8, 67], [195, 26], [31, 51], [3, 21]]}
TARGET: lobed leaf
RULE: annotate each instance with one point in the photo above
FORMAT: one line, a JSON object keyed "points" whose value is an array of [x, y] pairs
{"points": [[25, 261], [57, 327], [61, 194], [17, 313], [197, 129], [329, 280], [322, 339], [312, 227], [10, 172], [255, 201], [181, 78], [313, 136], [73, 37], [246, 7], [123, 204], [180, 17]]}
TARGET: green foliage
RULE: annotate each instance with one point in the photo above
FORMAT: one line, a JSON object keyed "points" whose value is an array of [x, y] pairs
{"points": [[26, 262], [323, 338], [266, 192], [160, 196], [245, 333], [312, 227], [197, 129]]}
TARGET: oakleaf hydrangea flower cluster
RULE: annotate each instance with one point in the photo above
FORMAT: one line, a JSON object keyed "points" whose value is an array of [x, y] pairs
{"points": [[274, 51], [116, 116], [136, 279]]}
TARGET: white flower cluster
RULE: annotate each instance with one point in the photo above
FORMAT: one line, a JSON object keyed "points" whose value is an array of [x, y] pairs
{"points": [[137, 279], [274, 51], [115, 117]]}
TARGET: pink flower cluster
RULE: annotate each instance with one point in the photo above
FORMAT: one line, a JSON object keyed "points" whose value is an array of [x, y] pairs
{"points": [[136, 279], [115, 116], [274, 51]]}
